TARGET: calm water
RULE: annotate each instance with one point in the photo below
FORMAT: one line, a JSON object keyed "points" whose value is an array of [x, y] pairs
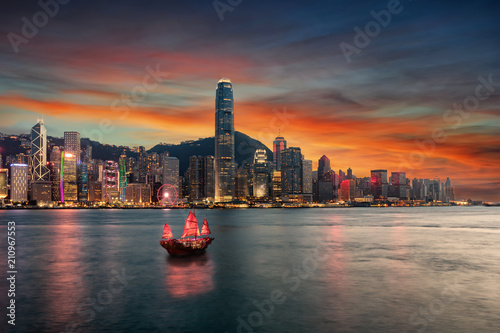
{"points": [[277, 270]]}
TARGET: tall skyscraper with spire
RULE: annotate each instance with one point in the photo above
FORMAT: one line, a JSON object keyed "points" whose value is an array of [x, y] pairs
{"points": [[279, 144], [38, 154], [224, 141]]}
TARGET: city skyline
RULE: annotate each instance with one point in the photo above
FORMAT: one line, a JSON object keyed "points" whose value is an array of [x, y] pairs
{"points": [[322, 166], [391, 105]]}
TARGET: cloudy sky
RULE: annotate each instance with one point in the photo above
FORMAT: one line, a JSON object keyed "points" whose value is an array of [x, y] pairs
{"points": [[417, 91]]}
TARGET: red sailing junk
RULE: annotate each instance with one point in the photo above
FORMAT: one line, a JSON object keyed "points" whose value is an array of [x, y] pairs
{"points": [[187, 246]]}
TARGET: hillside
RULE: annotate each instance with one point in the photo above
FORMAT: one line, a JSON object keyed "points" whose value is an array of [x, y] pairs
{"points": [[245, 148]]}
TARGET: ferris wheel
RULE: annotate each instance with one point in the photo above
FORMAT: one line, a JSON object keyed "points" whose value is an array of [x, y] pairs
{"points": [[167, 195]]}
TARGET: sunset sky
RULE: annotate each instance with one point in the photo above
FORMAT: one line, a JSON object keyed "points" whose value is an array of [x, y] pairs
{"points": [[284, 58]]}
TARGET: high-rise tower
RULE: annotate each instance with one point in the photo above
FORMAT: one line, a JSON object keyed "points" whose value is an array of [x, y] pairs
{"points": [[224, 141], [72, 144], [38, 154], [279, 144]]}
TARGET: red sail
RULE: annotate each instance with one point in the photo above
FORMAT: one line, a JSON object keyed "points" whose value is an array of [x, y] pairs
{"points": [[191, 226], [167, 233], [205, 230]]}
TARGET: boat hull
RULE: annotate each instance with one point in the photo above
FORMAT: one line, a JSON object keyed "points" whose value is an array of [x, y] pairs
{"points": [[186, 247]]}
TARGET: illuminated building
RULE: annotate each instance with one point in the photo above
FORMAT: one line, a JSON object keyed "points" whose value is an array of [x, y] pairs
{"points": [[55, 174], [171, 172], [83, 193], [69, 187], [38, 153], [379, 184], [398, 185], [448, 191], [19, 182], [241, 184], [95, 191], [279, 144], [41, 192], [325, 185], [138, 193], [291, 171], [142, 165], [4, 182], [260, 174], [276, 190], [347, 190], [224, 141], [307, 177], [123, 177], [72, 144], [323, 166], [201, 178], [110, 182], [209, 176]]}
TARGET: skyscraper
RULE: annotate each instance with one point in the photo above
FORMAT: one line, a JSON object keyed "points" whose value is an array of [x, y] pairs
{"points": [[291, 171], [307, 178], [38, 154], [4, 182], [347, 190], [325, 184], [68, 177], [379, 183], [19, 182], [201, 179], [72, 144], [279, 144], [224, 141], [260, 174], [171, 172], [110, 182], [398, 185]]}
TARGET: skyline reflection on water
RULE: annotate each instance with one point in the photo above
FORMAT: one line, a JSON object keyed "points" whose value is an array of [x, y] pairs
{"points": [[416, 269]]}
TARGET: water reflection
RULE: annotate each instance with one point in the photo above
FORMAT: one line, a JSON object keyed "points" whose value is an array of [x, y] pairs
{"points": [[63, 281], [191, 276], [339, 282]]}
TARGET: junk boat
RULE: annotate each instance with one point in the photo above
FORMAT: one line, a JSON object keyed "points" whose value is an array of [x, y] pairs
{"points": [[187, 246]]}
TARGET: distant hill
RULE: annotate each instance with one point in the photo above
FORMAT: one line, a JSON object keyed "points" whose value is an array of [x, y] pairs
{"points": [[244, 147]]}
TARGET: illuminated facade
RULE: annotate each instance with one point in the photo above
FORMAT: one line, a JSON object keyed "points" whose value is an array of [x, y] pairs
{"points": [[276, 191], [260, 174], [224, 141], [4, 182], [307, 177], [171, 172], [69, 186], [379, 184], [123, 177], [110, 182], [279, 144], [72, 144], [19, 182], [38, 153], [201, 178], [291, 171], [347, 190], [41, 192], [398, 186], [138, 193], [83, 189]]}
